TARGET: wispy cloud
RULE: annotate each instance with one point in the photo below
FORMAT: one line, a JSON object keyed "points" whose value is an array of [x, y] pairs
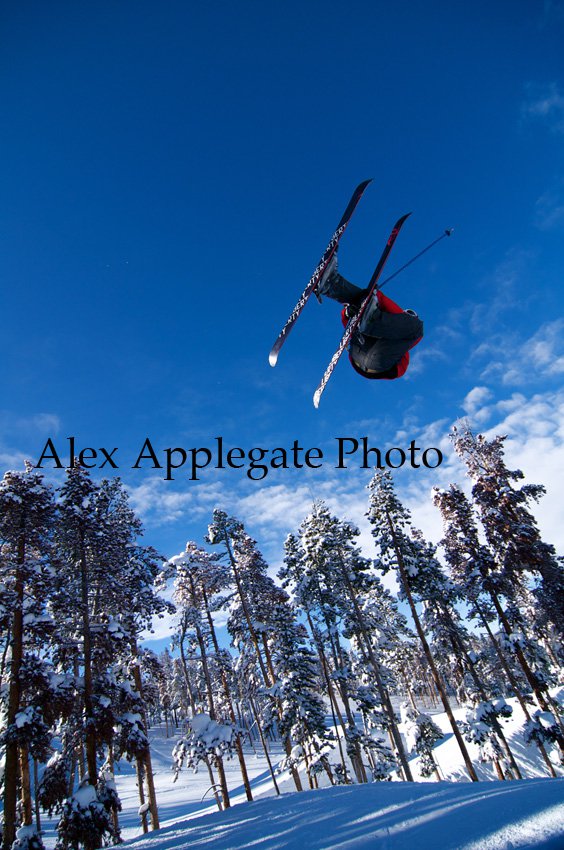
{"points": [[39, 424], [27, 431], [545, 103], [508, 359], [549, 210], [534, 424], [160, 502]]}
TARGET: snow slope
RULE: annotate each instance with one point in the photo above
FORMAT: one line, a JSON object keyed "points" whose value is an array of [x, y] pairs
{"points": [[386, 816], [451, 815]]}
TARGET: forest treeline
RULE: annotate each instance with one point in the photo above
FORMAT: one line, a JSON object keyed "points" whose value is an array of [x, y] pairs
{"points": [[323, 659]]}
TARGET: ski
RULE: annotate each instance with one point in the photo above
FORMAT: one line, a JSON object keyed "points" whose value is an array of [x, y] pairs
{"points": [[355, 321], [316, 276]]}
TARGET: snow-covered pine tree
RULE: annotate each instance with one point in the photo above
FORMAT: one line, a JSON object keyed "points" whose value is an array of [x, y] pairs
{"points": [[104, 594], [193, 568], [292, 575], [510, 528], [200, 579], [472, 567], [333, 585], [302, 711], [450, 647], [26, 514], [390, 522], [519, 555], [249, 622], [422, 733], [132, 602]]}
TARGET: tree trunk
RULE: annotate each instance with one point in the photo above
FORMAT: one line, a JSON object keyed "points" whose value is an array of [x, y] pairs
{"points": [[495, 724], [191, 696], [264, 744], [89, 733], [27, 803], [36, 797], [514, 684], [211, 707], [227, 694], [543, 698], [254, 639], [356, 757], [382, 690], [147, 756], [330, 691], [140, 777], [434, 672], [11, 767]]}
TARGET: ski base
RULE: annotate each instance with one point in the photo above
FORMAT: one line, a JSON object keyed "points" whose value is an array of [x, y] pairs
{"points": [[355, 322], [318, 273]]}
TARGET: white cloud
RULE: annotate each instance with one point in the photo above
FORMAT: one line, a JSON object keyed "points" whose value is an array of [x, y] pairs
{"points": [[30, 430], [35, 424], [546, 103], [535, 428], [522, 362], [160, 502], [549, 210], [12, 460], [475, 403]]}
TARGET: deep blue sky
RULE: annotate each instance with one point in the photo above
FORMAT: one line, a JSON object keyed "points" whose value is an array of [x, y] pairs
{"points": [[171, 174]]}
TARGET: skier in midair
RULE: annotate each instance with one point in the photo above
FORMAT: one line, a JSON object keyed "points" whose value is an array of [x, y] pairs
{"points": [[380, 346]]}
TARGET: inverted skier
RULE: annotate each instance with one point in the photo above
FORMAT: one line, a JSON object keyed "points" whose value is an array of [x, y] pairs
{"points": [[380, 346]]}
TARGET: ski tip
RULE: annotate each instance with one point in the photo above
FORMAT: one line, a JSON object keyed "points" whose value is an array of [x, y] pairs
{"points": [[362, 186], [401, 220], [273, 358]]}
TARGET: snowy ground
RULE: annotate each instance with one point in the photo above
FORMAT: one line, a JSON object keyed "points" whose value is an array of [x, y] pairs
{"points": [[386, 816], [458, 814]]}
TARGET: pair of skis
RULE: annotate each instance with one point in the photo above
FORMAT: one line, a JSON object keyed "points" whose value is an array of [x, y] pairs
{"points": [[316, 277]]}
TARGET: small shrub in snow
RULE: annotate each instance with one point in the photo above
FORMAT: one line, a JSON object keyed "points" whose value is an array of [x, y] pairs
{"points": [[86, 820], [27, 839]]}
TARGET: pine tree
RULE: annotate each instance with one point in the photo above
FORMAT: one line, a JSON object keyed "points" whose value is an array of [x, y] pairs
{"points": [[390, 523], [301, 710], [449, 643], [472, 567], [26, 513], [334, 587], [251, 623], [104, 593], [424, 734], [509, 526], [518, 554], [193, 570]]}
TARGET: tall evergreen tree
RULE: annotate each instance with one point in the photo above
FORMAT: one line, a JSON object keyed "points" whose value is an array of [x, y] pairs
{"points": [[334, 586], [26, 515], [472, 567], [510, 528], [390, 528], [255, 614], [105, 594]]}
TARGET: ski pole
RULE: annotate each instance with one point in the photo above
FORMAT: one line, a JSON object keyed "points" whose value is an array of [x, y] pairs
{"points": [[447, 232]]}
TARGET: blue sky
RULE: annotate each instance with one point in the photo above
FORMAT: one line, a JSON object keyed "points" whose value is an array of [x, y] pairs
{"points": [[171, 174]]}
